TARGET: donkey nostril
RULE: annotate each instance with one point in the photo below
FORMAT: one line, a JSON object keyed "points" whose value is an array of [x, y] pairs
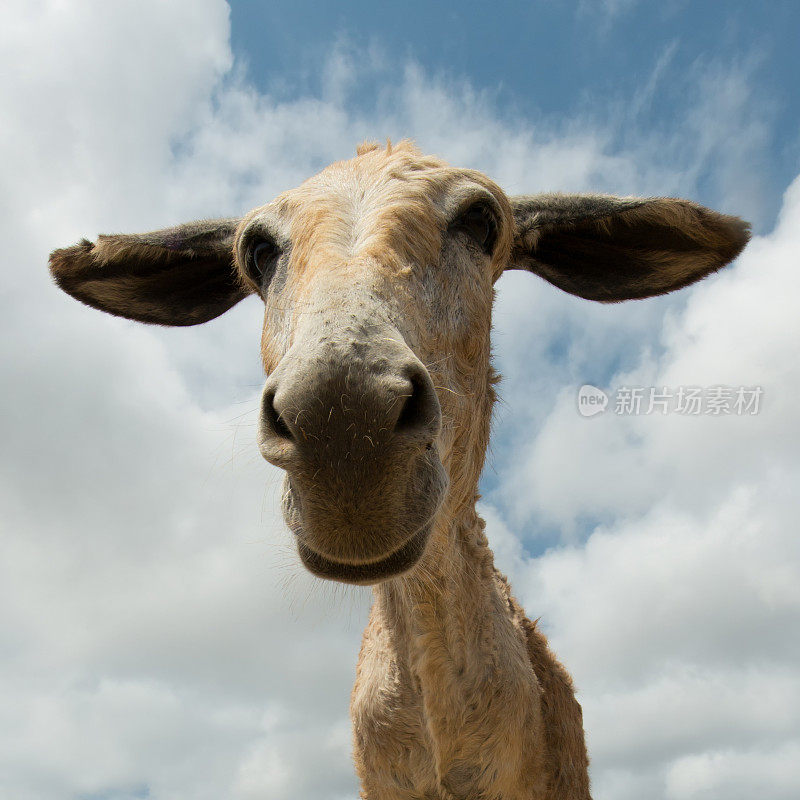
{"points": [[274, 421], [408, 411], [420, 412]]}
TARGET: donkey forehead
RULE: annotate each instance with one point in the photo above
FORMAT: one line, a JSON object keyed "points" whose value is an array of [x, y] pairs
{"points": [[385, 207]]}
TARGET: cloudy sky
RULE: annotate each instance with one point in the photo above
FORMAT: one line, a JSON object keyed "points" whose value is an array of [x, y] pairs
{"points": [[158, 638]]}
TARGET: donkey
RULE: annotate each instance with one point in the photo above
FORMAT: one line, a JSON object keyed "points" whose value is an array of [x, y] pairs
{"points": [[377, 278]]}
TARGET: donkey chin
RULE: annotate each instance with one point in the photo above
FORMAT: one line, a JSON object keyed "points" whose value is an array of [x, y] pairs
{"points": [[366, 531]]}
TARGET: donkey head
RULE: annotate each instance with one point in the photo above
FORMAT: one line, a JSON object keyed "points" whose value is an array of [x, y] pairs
{"points": [[377, 278]]}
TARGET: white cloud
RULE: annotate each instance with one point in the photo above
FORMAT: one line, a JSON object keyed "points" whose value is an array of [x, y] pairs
{"points": [[156, 631], [738, 329], [736, 775]]}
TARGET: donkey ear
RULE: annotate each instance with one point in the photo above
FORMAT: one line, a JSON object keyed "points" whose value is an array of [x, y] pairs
{"points": [[176, 276], [610, 248]]}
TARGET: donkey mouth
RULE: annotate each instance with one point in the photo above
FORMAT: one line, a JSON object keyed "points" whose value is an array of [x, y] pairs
{"points": [[389, 566], [364, 531]]}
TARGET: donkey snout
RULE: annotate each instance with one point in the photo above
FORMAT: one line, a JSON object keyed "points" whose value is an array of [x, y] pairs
{"points": [[353, 411]]}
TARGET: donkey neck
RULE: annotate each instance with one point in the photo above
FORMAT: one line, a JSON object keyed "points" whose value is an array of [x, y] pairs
{"points": [[446, 652], [443, 618]]}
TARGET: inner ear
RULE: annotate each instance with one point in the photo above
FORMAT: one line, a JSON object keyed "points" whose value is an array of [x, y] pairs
{"points": [[480, 223], [609, 249], [176, 276]]}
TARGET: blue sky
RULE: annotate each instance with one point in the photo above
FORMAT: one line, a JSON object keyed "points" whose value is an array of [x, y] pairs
{"points": [[547, 59], [158, 636], [634, 68]]}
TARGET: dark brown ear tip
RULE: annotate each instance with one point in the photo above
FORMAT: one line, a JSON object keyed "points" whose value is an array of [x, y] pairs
{"points": [[740, 232], [741, 226], [67, 261], [746, 231]]}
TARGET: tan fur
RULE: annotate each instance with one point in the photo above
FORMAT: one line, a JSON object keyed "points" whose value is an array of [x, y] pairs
{"points": [[457, 695]]}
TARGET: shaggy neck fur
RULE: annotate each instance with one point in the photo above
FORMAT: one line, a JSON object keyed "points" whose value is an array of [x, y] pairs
{"points": [[446, 703]]}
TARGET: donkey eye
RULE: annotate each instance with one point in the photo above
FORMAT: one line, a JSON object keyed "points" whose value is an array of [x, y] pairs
{"points": [[262, 258], [479, 222]]}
